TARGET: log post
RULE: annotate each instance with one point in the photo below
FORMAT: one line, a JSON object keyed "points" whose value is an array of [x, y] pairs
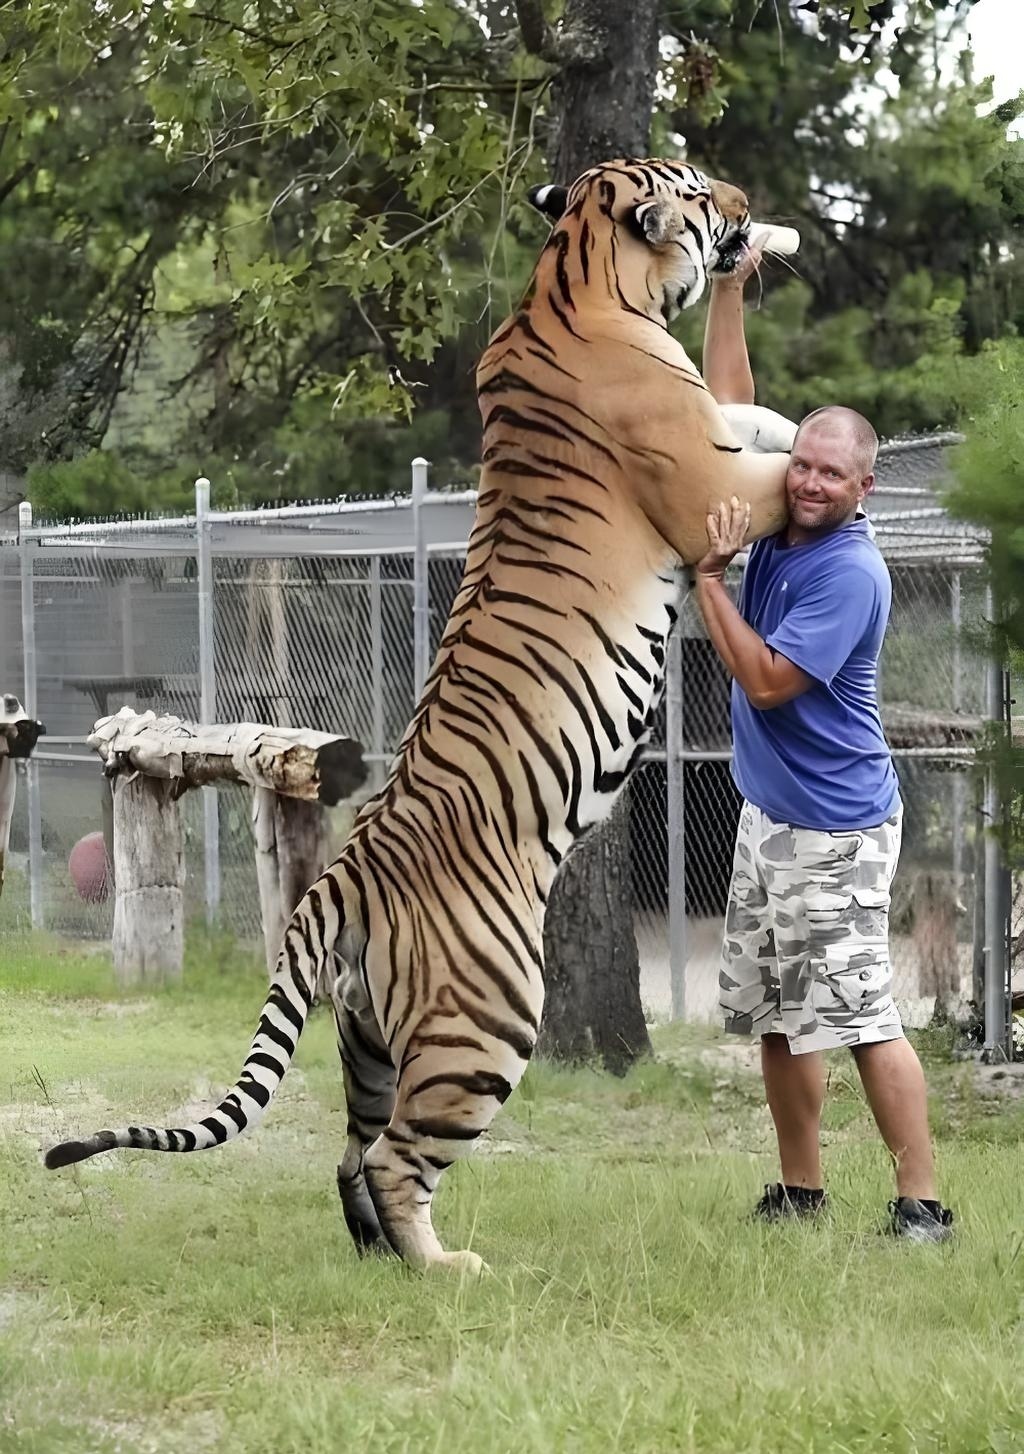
{"points": [[290, 846], [149, 871], [293, 771], [268, 875], [18, 736]]}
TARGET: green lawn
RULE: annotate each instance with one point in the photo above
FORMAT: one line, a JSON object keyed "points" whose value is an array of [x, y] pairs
{"points": [[213, 1303]]}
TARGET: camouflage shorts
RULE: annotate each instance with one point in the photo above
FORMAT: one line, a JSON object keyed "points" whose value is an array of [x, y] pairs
{"points": [[806, 947]]}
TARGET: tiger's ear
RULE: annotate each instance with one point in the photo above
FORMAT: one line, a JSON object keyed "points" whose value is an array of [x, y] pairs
{"points": [[659, 221], [729, 200], [549, 199]]}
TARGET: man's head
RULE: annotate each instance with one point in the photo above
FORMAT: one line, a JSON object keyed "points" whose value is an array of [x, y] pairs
{"points": [[831, 469]]}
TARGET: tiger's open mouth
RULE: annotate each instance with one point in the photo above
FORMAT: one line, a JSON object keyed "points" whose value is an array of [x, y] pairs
{"points": [[728, 253]]}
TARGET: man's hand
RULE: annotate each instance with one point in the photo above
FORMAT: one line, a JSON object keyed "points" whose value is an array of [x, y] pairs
{"points": [[727, 533]]}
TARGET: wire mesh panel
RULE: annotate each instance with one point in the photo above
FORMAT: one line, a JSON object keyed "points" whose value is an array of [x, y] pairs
{"points": [[320, 642], [74, 801], [11, 675], [444, 578], [649, 882], [315, 621], [111, 628], [932, 691]]}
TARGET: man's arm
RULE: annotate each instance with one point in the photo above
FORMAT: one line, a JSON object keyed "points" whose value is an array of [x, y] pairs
{"points": [[767, 677], [725, 363]]}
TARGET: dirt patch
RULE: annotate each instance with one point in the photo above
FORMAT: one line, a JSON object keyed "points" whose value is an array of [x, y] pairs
{"points": [[740, 1056], [120, 1009], [1003, 1082]]}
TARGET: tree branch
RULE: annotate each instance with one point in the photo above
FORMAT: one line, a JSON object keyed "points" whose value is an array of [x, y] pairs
{"points": [[17, 176], [241, 29], [583, 49], [538, 37]]}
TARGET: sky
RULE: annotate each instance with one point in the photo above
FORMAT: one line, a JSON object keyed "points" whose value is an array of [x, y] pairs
{"points": [[997, 40]]}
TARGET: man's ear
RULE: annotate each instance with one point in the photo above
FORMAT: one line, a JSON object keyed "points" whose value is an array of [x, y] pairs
{"points": [[549, 199], [659, 220], [867, 484]]}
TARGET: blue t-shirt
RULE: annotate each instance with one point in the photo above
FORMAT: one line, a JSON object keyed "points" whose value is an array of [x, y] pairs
{"points": [[820, 760]]}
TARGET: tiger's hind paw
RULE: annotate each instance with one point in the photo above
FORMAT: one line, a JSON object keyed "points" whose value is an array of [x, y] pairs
{"points": [[463, 1264]]}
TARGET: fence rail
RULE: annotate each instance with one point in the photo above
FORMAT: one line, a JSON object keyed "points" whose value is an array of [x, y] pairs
{"points": [[327, 615]]}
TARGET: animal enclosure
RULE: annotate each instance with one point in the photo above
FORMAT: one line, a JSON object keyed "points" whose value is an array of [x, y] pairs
{"points": [[325, 616]]}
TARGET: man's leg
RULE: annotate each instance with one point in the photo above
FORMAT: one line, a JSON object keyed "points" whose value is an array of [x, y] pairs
{"points": [[795, 1087], [895, 1087]]}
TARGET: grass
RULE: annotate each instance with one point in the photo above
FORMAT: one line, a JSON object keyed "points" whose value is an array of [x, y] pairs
{"points": [[213, 1303]]}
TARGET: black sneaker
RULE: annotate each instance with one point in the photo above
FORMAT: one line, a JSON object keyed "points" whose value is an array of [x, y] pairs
{"points": [[789, 1201], [920, 1221]]}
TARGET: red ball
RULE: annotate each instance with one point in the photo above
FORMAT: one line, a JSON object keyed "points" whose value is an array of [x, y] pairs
{"points": [[87, 865]]}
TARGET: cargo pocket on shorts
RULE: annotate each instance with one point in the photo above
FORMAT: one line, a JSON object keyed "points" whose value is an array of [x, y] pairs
{"points": [[869, 914], [859, 988], [849, 955], [867, 974]]}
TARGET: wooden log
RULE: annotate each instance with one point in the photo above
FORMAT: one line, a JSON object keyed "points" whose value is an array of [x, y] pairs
{"points": [[18, 735], [149, 870], [295, 761], [290, 852], [268, 877]]}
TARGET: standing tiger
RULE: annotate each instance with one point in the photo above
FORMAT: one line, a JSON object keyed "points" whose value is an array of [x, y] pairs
{"points": [[603, 451]]}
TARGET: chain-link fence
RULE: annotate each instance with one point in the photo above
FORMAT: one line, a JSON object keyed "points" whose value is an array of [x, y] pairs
{"points": [[327, 616]]}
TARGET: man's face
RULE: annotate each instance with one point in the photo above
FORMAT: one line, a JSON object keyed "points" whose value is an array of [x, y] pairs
{"points": [[826, 480]]}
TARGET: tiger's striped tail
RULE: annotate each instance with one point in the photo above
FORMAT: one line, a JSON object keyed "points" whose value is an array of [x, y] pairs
{"points": [[305, 950]]}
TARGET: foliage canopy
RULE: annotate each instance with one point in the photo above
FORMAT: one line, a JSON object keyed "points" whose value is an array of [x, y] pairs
{"points": [[265, 241]]}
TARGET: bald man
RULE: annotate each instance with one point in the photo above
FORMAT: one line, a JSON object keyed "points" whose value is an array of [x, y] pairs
{"points": [[805, 964]]}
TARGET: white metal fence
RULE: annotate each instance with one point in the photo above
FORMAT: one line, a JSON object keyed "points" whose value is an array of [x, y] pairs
{"points": [[327, 616]]}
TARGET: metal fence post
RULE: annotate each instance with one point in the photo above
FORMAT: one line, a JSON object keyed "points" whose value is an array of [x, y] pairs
{"points": [[376, 674], [997, 889], [675, 792], [420, 581], [957, 704], [207, 692], [31, 702]]}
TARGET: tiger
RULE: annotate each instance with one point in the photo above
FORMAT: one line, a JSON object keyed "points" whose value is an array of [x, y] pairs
{"points": [[603, 451]]}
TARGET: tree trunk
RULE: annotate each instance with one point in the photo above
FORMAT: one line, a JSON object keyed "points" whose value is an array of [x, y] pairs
{"points": [[149, 870], [592, 969], [605, 105], [607, 55]]}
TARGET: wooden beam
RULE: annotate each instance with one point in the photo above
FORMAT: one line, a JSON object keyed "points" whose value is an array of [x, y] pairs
{"points": [[290, 855], [293, 761]]}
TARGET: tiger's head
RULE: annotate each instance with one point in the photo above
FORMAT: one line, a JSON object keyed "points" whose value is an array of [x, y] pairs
{"points": [[643, 235]]}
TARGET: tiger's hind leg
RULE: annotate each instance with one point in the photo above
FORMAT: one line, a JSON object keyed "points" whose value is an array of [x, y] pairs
{"points": [[449, 1089], [370, 1079]]}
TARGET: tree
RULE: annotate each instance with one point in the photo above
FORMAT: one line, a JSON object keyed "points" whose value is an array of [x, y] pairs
{"points": [[266, 211], [253, 230], [988, 470], [910, 209], [606, 56]]}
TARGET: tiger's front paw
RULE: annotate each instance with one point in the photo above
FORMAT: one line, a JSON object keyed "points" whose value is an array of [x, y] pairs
{"points": [[759, 429]]}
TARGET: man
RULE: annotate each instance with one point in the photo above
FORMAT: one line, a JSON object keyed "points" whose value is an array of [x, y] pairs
{"points": [[805, 958]]}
